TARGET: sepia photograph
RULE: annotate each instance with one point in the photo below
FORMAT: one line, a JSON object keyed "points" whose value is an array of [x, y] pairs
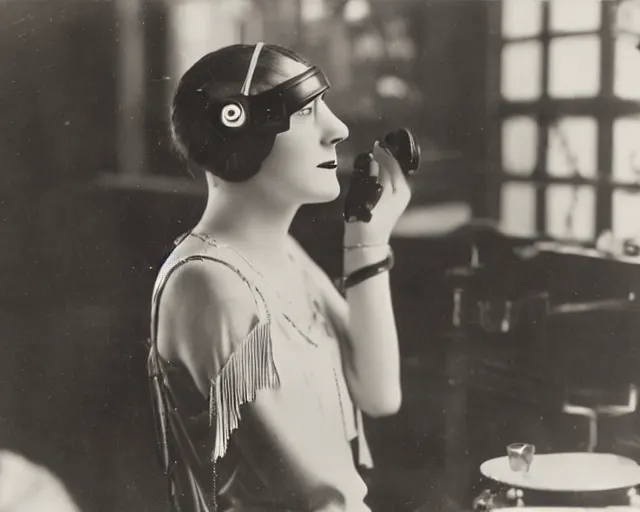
{"points": [[319, 255]]}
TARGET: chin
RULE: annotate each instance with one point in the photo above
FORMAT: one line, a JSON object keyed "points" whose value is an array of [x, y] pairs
{"points": [[324, 193]]}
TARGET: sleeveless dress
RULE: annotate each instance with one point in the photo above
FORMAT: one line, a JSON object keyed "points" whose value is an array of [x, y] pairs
{"points": [[306, 451]]}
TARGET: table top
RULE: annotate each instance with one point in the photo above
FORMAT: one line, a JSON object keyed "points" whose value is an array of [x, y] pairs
{"points": [[567, 472]]}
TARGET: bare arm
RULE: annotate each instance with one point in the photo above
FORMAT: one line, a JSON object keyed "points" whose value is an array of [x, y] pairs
{"points": [[372, 354], [205, 312], [370, 341]]}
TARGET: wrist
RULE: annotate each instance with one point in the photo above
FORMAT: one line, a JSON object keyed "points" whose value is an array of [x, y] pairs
{"points": [[356, 257], [363, 235]]}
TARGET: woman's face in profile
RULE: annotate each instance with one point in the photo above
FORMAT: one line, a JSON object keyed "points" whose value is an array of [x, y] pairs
{"points": [[302, 167]]}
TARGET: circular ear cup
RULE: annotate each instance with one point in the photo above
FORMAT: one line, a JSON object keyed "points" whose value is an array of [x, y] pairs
{"points": [[233, 115]]}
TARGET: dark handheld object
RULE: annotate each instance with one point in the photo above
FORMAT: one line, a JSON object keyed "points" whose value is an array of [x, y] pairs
{"points": [[365, 190], [404, 147]]}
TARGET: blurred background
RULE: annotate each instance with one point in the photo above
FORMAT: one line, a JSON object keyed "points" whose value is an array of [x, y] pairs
{"points": [[528, 116]]}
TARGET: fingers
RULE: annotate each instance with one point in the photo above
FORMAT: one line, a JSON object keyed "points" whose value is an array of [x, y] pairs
{"points": [[382, 177], [390, 166], [374, 168], [395, 187]]}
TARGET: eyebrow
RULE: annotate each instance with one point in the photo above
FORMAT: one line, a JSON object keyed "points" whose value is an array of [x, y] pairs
{"points": [[312, 103]]}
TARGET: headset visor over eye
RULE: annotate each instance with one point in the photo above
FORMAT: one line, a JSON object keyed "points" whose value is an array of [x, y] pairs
{"points": [[271, 110]]}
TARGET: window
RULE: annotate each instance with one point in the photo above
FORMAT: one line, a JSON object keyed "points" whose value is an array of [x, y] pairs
{"points": [[572, 143], [520, 198], [574, 66], [568, 148], [523, 59], [519, 145]]}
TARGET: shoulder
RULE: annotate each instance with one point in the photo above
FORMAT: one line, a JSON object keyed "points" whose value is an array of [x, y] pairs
{"points": [[206, 308], [192, 279]]}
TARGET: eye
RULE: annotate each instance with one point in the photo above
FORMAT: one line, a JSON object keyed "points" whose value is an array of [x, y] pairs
{"points": [[306, 111]]}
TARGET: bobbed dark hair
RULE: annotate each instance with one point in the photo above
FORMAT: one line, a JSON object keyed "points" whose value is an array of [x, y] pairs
{"points": [[211, 79]]}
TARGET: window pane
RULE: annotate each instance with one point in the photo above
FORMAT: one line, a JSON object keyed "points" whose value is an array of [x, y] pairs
{"points": [[518, 209], [575, 15], [574, 66], [626, 150], [627, 70], [521, 66], [560, 204], [580, 135], [519, 145], [626, 213], [627, 19], [521, 18]]}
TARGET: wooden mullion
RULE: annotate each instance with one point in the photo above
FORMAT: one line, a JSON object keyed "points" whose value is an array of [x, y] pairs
{"points": [[556, 34], [599, 106], [574, 181], [604, 206], [540, 171], [492, 207]]}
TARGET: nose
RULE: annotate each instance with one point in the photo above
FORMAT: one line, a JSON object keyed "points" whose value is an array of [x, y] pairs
{"points": [[334, 130]]}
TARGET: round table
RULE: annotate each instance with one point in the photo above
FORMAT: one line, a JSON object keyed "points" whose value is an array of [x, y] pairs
{"points": [[561, 480]]}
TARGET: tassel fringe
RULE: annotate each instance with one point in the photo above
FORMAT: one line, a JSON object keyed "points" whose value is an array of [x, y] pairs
{"points": [[250, 368]]}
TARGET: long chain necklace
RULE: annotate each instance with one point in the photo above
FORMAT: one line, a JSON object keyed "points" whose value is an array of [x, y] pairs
{"points": [[312, 304]]}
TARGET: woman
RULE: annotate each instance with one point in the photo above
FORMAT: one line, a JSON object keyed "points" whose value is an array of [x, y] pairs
{"points": [[260, 368]]}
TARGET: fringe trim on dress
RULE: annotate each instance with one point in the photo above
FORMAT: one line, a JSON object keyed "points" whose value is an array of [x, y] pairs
{"points": [[249, 369]]}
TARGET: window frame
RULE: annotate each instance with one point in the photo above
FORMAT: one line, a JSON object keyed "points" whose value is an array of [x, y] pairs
{"points": [[604, 108]]}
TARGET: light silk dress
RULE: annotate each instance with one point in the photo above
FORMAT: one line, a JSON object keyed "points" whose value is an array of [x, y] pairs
{"points": [[298, 451]]}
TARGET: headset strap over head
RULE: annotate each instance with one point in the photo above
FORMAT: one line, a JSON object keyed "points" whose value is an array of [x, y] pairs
{"points": [[269, 111]]}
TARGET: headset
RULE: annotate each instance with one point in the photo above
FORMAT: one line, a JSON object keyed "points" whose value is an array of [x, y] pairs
{"points": [[268, 112]]}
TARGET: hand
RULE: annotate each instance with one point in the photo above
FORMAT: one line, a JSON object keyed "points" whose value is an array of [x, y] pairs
{"points": [[392, 204]]}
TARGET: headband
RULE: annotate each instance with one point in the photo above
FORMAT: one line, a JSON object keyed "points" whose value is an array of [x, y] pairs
{"points": [[269, 111]]}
